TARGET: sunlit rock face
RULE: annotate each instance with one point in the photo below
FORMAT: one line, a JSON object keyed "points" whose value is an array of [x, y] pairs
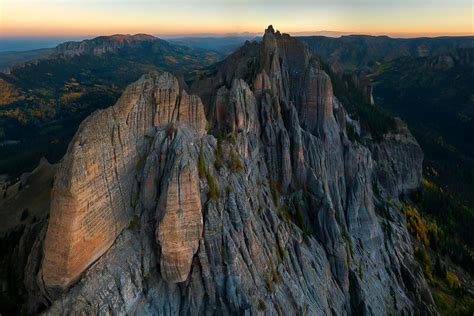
{"points": [[92, 197], [273, 209], [178, 211]]}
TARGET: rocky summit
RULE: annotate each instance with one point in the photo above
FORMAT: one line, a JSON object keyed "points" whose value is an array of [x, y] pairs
{"points": [[251, 192], [103, 44]]}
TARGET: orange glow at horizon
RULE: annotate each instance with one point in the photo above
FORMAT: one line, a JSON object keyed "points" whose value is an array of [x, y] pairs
{"points": [[93, 17]]}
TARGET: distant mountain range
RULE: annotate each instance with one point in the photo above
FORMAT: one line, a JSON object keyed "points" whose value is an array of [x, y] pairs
{"points": [[224, 45], [364, 53], [103, 44], [361, 52]]}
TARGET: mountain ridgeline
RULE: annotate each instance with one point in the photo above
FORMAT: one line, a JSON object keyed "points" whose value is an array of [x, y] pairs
{"points": [[365, 53], [252, 191]]}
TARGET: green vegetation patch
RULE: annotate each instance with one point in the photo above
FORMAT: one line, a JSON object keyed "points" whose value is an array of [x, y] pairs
{"points": [[213, 193]]}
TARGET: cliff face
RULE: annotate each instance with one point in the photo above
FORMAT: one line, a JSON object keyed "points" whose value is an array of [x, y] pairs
{"points": [[103, 44], [92, 198], [273, 210]]}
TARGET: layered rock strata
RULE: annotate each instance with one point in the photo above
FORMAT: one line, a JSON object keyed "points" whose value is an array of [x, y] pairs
{"points": [[93, 194]]}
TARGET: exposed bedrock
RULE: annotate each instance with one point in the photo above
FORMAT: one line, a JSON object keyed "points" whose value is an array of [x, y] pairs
{"points": [[246, 197], [92, 200]]}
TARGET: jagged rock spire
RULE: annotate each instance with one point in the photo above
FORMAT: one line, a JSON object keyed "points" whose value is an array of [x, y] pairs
{"points": [[270, 30]]}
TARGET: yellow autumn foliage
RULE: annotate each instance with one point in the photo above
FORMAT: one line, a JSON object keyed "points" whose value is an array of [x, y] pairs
{"points": [[429, 185], [416, 225], [67, 97], [8, 93], [452, 280]]}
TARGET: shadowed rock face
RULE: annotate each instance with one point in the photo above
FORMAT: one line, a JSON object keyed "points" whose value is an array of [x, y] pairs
{"points": [[275, 209]]}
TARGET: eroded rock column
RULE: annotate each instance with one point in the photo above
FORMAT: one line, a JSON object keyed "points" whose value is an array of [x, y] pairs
{"points": [[180, 227], [92, 197]]}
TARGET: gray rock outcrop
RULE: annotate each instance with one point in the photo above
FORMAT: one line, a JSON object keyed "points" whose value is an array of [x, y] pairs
{"points": [[274, 210]]}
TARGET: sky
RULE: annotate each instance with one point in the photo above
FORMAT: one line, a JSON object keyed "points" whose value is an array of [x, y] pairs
{"points": [[75, 18]]}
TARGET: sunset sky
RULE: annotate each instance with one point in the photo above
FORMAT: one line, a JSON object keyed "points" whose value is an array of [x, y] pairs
{"points": [[94, 17]]}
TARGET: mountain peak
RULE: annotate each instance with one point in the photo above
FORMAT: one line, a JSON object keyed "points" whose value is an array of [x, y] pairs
{"points": [[270, 30]]}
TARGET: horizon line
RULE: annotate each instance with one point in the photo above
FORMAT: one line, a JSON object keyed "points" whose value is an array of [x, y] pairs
{"points": [[327, 33]]}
